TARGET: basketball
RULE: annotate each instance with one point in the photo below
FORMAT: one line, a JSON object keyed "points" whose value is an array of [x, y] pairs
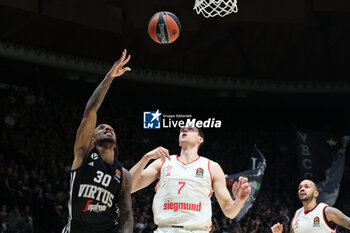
{"points": [[164, 27]]}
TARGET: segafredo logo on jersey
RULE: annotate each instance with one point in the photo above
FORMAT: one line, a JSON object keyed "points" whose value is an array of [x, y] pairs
{"points": [[157, 120], [94, 207]]}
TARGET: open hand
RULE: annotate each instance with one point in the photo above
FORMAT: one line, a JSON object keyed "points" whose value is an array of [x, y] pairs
{"points": [[159, 152], [118, 68], [241, 189], [277, 228]]}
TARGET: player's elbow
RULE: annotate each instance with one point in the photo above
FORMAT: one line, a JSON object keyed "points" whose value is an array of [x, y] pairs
{"points": [[230, 215], [231, 211], [136, 184], [134, 189]]}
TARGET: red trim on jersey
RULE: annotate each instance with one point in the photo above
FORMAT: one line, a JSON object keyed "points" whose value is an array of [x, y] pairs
{"points": [[155, 188], [324, 218], [211, 176], [311, 210], [160, 171], [211, 225], [177, 157]]}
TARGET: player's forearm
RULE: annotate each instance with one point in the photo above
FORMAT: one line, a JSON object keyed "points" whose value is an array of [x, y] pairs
{"points": [[99, 94], [136, 171], [126, 222], [345, 222], [232, 209], [336, 216]]}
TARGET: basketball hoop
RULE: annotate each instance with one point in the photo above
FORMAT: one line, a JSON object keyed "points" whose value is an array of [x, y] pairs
{"points": [[212, 8]]}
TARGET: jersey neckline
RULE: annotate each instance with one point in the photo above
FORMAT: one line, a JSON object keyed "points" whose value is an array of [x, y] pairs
{"points": [[177, 157], [307, 212]]}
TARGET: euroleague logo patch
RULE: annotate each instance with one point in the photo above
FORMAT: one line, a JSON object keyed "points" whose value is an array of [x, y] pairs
{"points": [[117, 175], [316, 221], [199, 172]]}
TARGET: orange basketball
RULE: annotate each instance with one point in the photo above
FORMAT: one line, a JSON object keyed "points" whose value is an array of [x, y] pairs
{"points": [[164, 27]]}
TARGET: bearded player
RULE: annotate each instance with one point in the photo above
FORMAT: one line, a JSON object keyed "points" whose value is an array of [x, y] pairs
{"points": [[100, 187], [314, 217]]}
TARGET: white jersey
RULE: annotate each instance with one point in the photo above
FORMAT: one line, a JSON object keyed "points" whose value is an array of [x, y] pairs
{"points": [[313, 221], [183, 194]]}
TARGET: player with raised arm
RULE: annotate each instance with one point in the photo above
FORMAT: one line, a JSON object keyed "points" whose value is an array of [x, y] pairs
{"points": [[314, 217], [186, 183], [100, 187]]}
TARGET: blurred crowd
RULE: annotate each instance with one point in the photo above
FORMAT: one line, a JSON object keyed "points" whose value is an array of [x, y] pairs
{"points": [[37, 135]]}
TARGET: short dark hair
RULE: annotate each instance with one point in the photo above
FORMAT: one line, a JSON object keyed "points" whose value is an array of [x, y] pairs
{"points": [[316, 187], [200, 132]]}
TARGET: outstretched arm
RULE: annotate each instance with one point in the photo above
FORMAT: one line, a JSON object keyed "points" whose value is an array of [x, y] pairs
{"points": [[126, 219], [229, 207], [336, 216], [143, 177], [84, 134]]}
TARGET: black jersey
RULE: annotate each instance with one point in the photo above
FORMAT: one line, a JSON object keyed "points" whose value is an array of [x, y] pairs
{"points": [[94, 189]]}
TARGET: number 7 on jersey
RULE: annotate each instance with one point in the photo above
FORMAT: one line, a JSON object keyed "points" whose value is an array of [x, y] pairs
{"points": [[182, 184]]}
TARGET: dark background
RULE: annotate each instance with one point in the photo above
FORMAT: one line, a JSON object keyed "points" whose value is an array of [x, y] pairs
{"points": [[271, 69]]}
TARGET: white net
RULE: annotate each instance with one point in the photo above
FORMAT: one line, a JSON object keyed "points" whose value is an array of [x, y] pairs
{"points": [[212, 8]]}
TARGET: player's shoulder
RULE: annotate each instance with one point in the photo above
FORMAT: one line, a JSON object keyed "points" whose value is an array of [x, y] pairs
{"points": [[214, 166], [322, 205], [166, 161], [126, 174], [327, 209], [126, 183], [331, 213], [125, 171], [205, 158], [301, 209], [297, 213], [158, 163]]}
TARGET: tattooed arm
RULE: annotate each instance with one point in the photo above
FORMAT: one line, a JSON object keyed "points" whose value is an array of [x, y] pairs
{"points": [[126, 219], [336, 216], [83, 137]]}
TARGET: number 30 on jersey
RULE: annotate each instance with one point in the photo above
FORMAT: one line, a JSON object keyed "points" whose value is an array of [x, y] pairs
{"points": [[102, 178]]}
